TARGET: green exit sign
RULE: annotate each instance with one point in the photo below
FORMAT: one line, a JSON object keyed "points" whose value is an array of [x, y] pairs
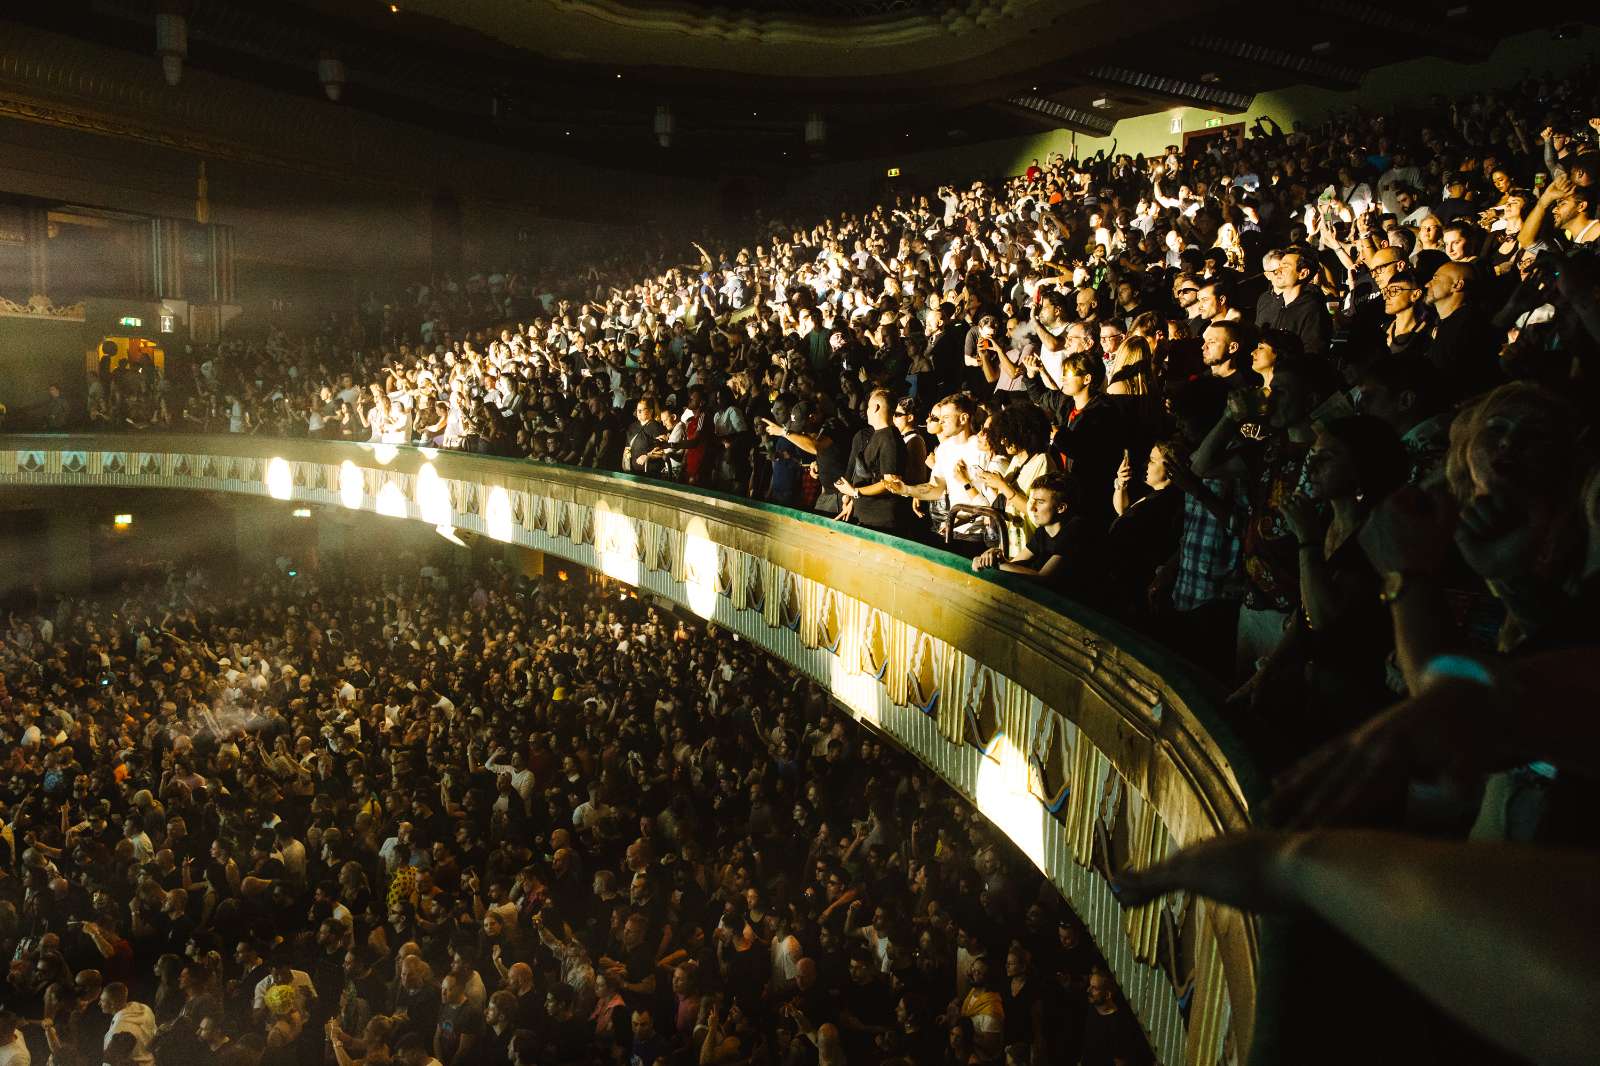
{"points": [[1213, 123], [894, 172], [131, 320]]}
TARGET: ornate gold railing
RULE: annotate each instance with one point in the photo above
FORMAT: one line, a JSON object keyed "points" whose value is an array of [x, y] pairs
{"points": [[1088, 746]]}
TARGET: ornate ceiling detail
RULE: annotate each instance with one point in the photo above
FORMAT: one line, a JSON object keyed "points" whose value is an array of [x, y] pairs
{"points": [[872, 23], [813, 39]]}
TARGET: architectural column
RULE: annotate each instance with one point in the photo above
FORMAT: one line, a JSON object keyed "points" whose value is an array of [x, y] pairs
{"points": [[38, 246]]}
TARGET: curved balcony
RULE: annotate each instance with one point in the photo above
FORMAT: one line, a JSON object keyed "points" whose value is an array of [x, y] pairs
{"points": [[1090, 747]]}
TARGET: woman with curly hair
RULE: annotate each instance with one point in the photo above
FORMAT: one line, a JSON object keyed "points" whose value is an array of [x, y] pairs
{"points": [[1018, 436]]}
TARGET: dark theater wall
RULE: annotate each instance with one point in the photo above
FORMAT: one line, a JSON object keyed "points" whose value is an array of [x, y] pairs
{"points": [[314, 191], [35, 353]]}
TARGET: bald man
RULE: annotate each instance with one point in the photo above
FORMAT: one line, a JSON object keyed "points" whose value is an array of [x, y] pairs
{"points": [[530, 1007], [1465, 350], [810, 1001]]}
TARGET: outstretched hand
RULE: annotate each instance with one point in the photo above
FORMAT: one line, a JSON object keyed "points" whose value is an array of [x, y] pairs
{"points": [[1361, 775], [1244, 870]]}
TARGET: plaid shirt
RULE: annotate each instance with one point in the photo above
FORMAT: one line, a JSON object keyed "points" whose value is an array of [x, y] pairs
{"points": [[1208, 555]]}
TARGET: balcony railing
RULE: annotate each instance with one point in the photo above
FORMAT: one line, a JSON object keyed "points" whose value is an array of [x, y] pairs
{"points": [[1090, 747]]}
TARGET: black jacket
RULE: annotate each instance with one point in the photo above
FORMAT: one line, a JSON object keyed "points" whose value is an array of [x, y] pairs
{"points": [[1307, 317]]}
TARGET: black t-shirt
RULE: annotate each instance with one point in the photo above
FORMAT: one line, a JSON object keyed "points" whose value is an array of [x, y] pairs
{"points": [[1109, 1037], [1464, 353], [873, 454], [1079, 574], [457, 1020], [603, 450], [640, 964], [871, 1004], [569, 1039], [830, 462], [494, 1049], [422, 1010], [1019, 1009]]}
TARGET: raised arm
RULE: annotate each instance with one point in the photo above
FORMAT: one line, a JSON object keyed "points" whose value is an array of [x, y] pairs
{"points": [[1435, 913]]}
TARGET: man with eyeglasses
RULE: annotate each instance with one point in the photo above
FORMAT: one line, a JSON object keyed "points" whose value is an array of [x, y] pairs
{"points": [[1111, 337], [1078, 339], [1269, 270], [1368, 313]]}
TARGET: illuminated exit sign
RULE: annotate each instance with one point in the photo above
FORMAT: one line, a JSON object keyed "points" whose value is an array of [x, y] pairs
{"points": [[131, 320], [894, 172], [1213, 123]]}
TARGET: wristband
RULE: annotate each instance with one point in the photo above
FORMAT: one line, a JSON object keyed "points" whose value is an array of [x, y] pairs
{"points": [[1451, 667]]}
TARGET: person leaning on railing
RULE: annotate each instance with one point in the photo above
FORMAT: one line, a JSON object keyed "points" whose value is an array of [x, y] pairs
{"points": [[1503, 937]]}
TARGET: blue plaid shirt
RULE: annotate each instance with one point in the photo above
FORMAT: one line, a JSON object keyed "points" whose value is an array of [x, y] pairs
{"points": [[1209, 553]]}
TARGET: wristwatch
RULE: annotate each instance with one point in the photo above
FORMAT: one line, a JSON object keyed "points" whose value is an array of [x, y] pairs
{"points": [[1395, 584]]}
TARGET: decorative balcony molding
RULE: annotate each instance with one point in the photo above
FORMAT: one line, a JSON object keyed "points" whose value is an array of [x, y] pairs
{"points": [[1083, 744], [40, 307]]}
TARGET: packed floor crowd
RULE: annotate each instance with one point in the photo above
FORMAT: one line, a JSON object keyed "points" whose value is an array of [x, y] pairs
{"points": [[439, 815]]}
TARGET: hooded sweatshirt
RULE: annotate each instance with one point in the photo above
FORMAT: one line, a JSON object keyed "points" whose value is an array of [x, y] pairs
{"points": [[140, 1020]]}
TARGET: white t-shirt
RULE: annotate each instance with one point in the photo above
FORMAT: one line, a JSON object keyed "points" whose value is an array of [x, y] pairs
{"points": [[15, 1053], [945, 457]]}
